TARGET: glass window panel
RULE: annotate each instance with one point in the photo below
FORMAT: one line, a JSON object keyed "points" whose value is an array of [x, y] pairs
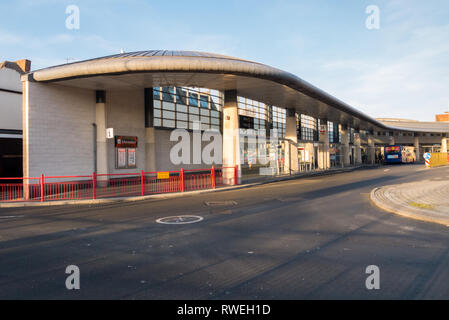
{"points": [[168, 114], [194, 125], [157, 122], [193, 99], [205, 120], [181, 108], [204, 100], [182, 124], [157, 93], [213, 105], [193, 110], [168, 123], [168, 94], [193, 104], [181, 96], [215, 114], [204, 126], [168, 106]]}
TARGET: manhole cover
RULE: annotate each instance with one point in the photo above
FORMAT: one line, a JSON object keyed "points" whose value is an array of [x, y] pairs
{"points": [[180, 219], [220, 203]]}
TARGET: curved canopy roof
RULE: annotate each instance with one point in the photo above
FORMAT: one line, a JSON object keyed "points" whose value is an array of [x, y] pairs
{"points": [[199, 69]]}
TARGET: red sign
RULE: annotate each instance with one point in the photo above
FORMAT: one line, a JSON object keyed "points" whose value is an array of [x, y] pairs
{"points": [[393, 149], [125, 142]]}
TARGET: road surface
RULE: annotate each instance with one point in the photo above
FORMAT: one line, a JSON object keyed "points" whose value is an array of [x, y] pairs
{"points": [[309, 238]]}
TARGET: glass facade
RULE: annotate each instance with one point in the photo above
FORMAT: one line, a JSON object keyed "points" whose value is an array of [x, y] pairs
{"points": [[351, 132], [278, 118], [187, 108], [265, 116], [334, 132], [254, 109], [309, 128]]}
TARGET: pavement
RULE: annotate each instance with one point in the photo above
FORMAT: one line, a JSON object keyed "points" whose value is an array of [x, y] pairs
{"points": [[310, 238], [426, 200]]}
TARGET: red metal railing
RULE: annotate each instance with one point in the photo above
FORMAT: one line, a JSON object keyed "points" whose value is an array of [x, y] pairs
{"points": [[17, 189], [96, 186], [66, 187]]}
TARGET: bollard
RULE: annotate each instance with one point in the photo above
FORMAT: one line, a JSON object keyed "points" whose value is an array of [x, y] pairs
{"points": [[235, 175], [181, 180], [42, 184], [94, 184], [212, 175], [142, 183]]}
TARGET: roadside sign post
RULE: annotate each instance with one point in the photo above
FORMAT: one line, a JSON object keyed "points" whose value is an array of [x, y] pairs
{"points": [[427, 157], [109, 133]]}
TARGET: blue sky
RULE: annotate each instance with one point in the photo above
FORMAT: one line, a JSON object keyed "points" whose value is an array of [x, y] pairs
{"points": [[399, 70]]}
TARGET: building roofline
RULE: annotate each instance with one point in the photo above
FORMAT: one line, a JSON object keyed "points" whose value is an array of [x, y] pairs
{"points": [[160, 61]]}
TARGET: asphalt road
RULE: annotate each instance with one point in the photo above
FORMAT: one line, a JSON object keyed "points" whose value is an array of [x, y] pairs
{"points": [[309, 238]]}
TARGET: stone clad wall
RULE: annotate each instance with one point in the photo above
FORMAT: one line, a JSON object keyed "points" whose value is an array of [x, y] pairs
{"points": [[60, 136]]}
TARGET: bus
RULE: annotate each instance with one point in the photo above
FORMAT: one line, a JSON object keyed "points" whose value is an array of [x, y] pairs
{"points": [[399, 154]]}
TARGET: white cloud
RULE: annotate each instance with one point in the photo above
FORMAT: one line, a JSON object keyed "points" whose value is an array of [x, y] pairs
{"points": [[7, 38], [411, 82]]}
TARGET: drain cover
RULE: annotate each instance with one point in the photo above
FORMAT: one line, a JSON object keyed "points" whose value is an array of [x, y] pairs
{"points": [[180, 219], [220, 203]]}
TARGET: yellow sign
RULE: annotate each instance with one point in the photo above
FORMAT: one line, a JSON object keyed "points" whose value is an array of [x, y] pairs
{"points": [[163, 175], [439, 159]]}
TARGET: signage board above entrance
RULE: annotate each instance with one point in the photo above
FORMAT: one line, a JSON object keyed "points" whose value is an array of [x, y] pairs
{"points": [[125, 142]]}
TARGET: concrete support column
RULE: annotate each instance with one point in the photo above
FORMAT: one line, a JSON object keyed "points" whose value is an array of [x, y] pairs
{"points": [[371, 149], [100, 120], [323, 152], [231, 137], [391, 141], [150, 139], [345, 145], [417, 149], [358, 149], [150, 150], [443, 148], [26, 131], [291, 150]]}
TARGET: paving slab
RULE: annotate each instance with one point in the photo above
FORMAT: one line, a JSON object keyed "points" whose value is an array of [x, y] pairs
{"points": [[426, 200]]}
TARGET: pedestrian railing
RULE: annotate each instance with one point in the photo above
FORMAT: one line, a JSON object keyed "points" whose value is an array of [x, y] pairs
{"points": [[96, 186]]}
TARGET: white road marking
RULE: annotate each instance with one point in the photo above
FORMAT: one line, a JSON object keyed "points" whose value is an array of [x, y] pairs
{"points": [[386, 170], [186, 219]]}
